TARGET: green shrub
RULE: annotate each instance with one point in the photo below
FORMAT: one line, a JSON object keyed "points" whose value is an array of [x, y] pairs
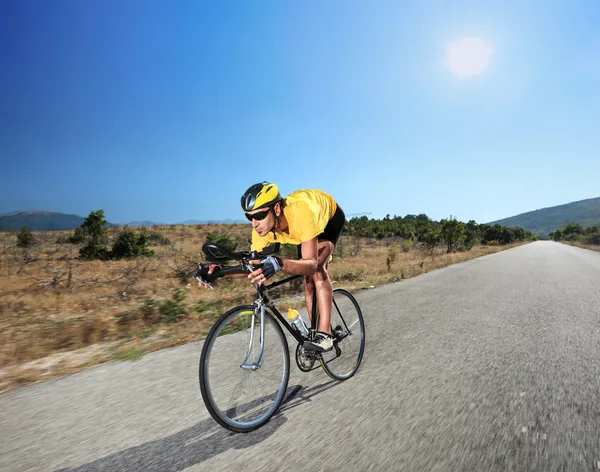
{"points": [[157, 239], [92, 251], [129, 244], [593, 238], [222, 240], [25, 238], [406, 245], [391, 256]]}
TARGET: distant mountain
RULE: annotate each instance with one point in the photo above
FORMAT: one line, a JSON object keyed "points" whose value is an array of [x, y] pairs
{"points": [[143, 223], [51, 220], [547, 220], [228, 221], [38, 220]]}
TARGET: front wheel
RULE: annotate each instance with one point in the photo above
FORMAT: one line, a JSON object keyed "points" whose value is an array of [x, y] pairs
{"points": [[243, 380], [348, 330]]}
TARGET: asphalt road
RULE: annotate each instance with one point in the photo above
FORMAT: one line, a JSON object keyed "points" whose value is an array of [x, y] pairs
{"points": [[491, 364]]}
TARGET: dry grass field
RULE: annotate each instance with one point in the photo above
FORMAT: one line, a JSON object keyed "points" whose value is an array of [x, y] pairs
{"points": [[591, 247], [59, 314]]}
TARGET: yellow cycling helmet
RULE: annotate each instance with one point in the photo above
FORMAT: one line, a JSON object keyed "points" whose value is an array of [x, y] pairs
{"points": [[260, 196]]}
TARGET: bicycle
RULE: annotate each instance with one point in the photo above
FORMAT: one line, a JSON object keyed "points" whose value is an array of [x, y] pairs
{"points": [[245, 362]]}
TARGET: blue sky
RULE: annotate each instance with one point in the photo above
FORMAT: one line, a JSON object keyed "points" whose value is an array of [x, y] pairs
{"points": [[167, 111]]}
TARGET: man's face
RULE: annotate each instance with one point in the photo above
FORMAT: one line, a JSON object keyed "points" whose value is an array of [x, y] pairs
{"points": [[262, 226]]}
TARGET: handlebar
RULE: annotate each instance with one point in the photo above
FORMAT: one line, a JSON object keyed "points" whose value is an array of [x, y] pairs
{"points": [[201, 273], [219, 255]]}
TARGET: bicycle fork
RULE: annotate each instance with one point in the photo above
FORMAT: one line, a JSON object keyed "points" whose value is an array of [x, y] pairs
{"points": [[247, 364]]}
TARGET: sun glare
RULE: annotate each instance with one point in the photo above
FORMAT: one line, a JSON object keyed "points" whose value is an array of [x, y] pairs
{"points": [[468, 57]]}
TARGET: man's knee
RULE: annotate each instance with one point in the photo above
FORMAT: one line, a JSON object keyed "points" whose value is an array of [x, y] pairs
{"points": [[325, 253], [321, 273]]}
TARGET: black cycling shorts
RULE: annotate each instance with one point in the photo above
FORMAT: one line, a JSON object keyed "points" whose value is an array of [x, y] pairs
{"points": [[332, 231], [334, 228]]}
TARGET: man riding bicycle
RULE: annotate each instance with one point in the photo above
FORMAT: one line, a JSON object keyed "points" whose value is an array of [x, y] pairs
{"points": [[308, 218]]}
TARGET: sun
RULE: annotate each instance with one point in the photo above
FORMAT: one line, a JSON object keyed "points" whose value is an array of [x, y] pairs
{"points": [[467, 57]]}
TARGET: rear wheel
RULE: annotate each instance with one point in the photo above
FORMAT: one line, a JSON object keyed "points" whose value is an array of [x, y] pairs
{"points": [[240, 388], [348, 330]]}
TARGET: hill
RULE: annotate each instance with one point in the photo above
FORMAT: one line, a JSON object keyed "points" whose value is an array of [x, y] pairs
{"points": [[51, 220], [39, 220], [227, 221], [547, 220]]}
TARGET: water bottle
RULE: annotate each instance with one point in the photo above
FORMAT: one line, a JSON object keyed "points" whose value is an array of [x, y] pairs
{"points": [[297, 322]]}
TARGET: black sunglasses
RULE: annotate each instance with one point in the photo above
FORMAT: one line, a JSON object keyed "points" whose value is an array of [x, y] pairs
{"points": [[261, 215]]}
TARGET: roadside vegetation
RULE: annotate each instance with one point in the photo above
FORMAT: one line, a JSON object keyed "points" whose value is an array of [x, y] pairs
{"points": [[74, 299], [577, 235]]}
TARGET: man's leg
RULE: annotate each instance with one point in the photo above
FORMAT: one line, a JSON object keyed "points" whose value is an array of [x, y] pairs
{"points": [[324, 287]]}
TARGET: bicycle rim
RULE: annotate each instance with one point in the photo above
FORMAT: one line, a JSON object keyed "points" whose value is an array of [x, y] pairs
{"points": [[237, 396], [348, 328]]}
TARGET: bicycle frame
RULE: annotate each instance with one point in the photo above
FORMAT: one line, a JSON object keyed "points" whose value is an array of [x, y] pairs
{"points": [[262, 301]]}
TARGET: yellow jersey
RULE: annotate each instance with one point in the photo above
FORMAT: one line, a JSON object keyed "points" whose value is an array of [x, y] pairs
{"points": [[307, 213]]}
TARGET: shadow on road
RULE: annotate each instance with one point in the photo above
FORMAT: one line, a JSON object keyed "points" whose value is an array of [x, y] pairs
{"points": [[202, 441]]}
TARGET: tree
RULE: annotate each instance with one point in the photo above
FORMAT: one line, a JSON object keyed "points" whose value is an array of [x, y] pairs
{"points": [[507, 236], [571, 229], [492, 233], [95, 237], [471, 234], [25, 238], [431, 236], [452, 232]]}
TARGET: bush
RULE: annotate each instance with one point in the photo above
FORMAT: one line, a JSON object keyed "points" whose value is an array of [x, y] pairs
{"points": [[593, 238], [222, 240], [92, 251], [391, 256], [128, 244], [157, 239], [407, 245], [25, 238]]}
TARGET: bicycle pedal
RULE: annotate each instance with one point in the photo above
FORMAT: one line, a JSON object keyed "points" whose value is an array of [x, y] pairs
{"points": [[309, 354]]}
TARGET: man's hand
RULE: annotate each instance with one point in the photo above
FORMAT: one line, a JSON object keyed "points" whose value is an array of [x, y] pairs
{"points": [[204, 275], [269, 266]]}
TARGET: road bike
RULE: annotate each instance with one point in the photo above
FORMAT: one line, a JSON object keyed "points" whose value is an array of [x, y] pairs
{"points": [[245, 361]]}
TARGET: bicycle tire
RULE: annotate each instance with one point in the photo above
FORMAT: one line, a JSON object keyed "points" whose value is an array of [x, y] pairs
{"points": [[343, 361], [214, 376]]}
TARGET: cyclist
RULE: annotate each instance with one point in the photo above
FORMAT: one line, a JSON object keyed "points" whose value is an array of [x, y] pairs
{"points": [[308, 218]]}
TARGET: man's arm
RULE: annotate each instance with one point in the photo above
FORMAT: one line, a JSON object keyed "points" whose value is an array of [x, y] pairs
{"points": [[305, 266]]}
